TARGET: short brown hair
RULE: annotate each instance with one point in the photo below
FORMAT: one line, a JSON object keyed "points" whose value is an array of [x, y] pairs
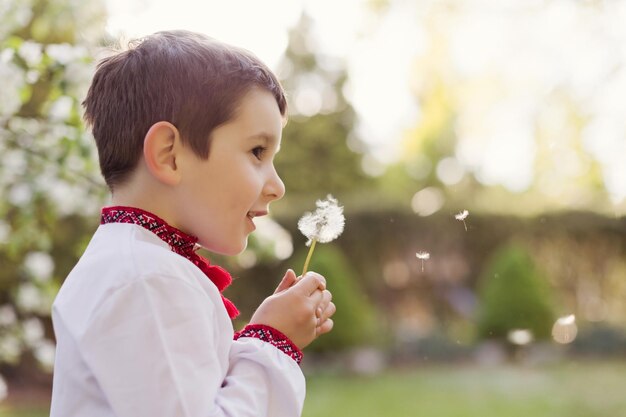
{"points": [[185, 78]]}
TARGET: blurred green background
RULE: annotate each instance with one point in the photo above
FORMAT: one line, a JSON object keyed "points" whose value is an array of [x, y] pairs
{"points": [[409, 112]]}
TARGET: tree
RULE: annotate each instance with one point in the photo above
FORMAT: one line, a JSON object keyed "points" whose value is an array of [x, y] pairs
{"points": [[510, 119], [513, 296], [315, 158], [48, 174]]}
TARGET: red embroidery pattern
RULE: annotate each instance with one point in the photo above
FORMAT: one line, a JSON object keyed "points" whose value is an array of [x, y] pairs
{"points": [[180, 243], [271, 335]]}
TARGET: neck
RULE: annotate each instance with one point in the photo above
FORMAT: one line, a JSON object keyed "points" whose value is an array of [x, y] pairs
{"points": [[146, 196]]}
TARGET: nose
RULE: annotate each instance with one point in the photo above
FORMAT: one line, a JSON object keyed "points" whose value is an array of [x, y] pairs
{"points": [[274, 187]]}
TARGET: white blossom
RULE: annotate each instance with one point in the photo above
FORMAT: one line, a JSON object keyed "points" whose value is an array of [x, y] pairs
{"points": [[33, 331], [6, 55], [31, 52], [7, 315], [15, 15], [325, 224], [11, 75], [61, 108], [10, 348], [44, 352], [31, 76], [64, 53], [29, 298], [14, 161], [20, 194], [39, 265]]}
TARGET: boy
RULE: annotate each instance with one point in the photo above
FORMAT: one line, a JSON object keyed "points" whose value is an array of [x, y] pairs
{"points": [[186, 129]]}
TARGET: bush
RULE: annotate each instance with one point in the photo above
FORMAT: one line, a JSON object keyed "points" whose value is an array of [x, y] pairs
{"points": [[513, 295], [600, 340]]}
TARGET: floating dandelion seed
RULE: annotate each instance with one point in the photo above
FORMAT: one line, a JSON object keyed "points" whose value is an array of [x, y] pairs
{"points": [[422, 256], [461, 217], [325, 224]]}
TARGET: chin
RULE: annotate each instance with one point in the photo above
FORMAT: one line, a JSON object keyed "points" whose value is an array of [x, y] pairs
{"points": [[242, 247], [230, 250]]}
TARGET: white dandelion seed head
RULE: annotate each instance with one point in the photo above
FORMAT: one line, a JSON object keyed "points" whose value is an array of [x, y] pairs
{"points": [[422, 255], [325, 224], [462, 215]]}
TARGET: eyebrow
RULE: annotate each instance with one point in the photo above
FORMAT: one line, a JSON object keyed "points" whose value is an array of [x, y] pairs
{"points": [[269, 139]]}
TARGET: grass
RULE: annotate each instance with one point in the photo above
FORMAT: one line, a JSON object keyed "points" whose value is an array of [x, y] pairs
{"points": [[24, 411], [572, 389]]}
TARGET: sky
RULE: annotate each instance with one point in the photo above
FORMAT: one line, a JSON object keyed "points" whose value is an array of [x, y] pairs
{"points": [[262, 28], [507, 60]]}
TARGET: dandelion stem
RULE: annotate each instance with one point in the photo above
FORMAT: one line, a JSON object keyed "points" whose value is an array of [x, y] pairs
{"points": [[308, 257]]}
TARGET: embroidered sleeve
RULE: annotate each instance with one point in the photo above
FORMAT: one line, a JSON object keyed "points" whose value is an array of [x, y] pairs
{"points": [[272, 336]]}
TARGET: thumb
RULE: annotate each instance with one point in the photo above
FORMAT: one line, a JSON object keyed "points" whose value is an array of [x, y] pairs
{"points": [[310, 283], [288, 280]]}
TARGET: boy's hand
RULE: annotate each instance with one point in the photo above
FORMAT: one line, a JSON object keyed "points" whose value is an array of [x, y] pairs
{"points": [[288, 280], [324, 311], [300, 308]]}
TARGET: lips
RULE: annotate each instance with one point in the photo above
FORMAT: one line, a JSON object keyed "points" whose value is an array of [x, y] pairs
{"points": [[253, 214]]}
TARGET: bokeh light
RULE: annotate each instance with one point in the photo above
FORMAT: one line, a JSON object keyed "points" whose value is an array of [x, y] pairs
{"points": [[565, 330]]}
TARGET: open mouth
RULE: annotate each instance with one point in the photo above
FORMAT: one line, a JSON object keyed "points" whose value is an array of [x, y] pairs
{"points": [[252, 214]]}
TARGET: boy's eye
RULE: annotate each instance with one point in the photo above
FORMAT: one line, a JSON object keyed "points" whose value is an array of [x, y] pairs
{"points": [[259, 151]]}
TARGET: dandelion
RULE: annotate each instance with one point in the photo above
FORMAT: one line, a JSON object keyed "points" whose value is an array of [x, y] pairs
{"points": [[423, 256], [323, 225], [461, 217]]}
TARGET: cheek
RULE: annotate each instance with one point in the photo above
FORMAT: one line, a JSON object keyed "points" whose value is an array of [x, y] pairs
{"points": [[247, 181]]}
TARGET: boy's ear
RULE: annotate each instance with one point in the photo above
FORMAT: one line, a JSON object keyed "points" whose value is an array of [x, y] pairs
{"points": [[160, 147]]}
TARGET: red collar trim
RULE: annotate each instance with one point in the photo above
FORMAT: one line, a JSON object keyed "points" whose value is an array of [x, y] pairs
{"points": [[179, 241]]}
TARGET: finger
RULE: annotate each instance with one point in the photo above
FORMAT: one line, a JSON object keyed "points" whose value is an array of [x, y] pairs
{"points": [[326, 297], [310, 283], [325, 327], [288, 280], [317, 297], [327, 312]]}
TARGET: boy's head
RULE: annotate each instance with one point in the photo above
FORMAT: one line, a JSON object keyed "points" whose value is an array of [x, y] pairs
{"points": [[188, 79]]}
